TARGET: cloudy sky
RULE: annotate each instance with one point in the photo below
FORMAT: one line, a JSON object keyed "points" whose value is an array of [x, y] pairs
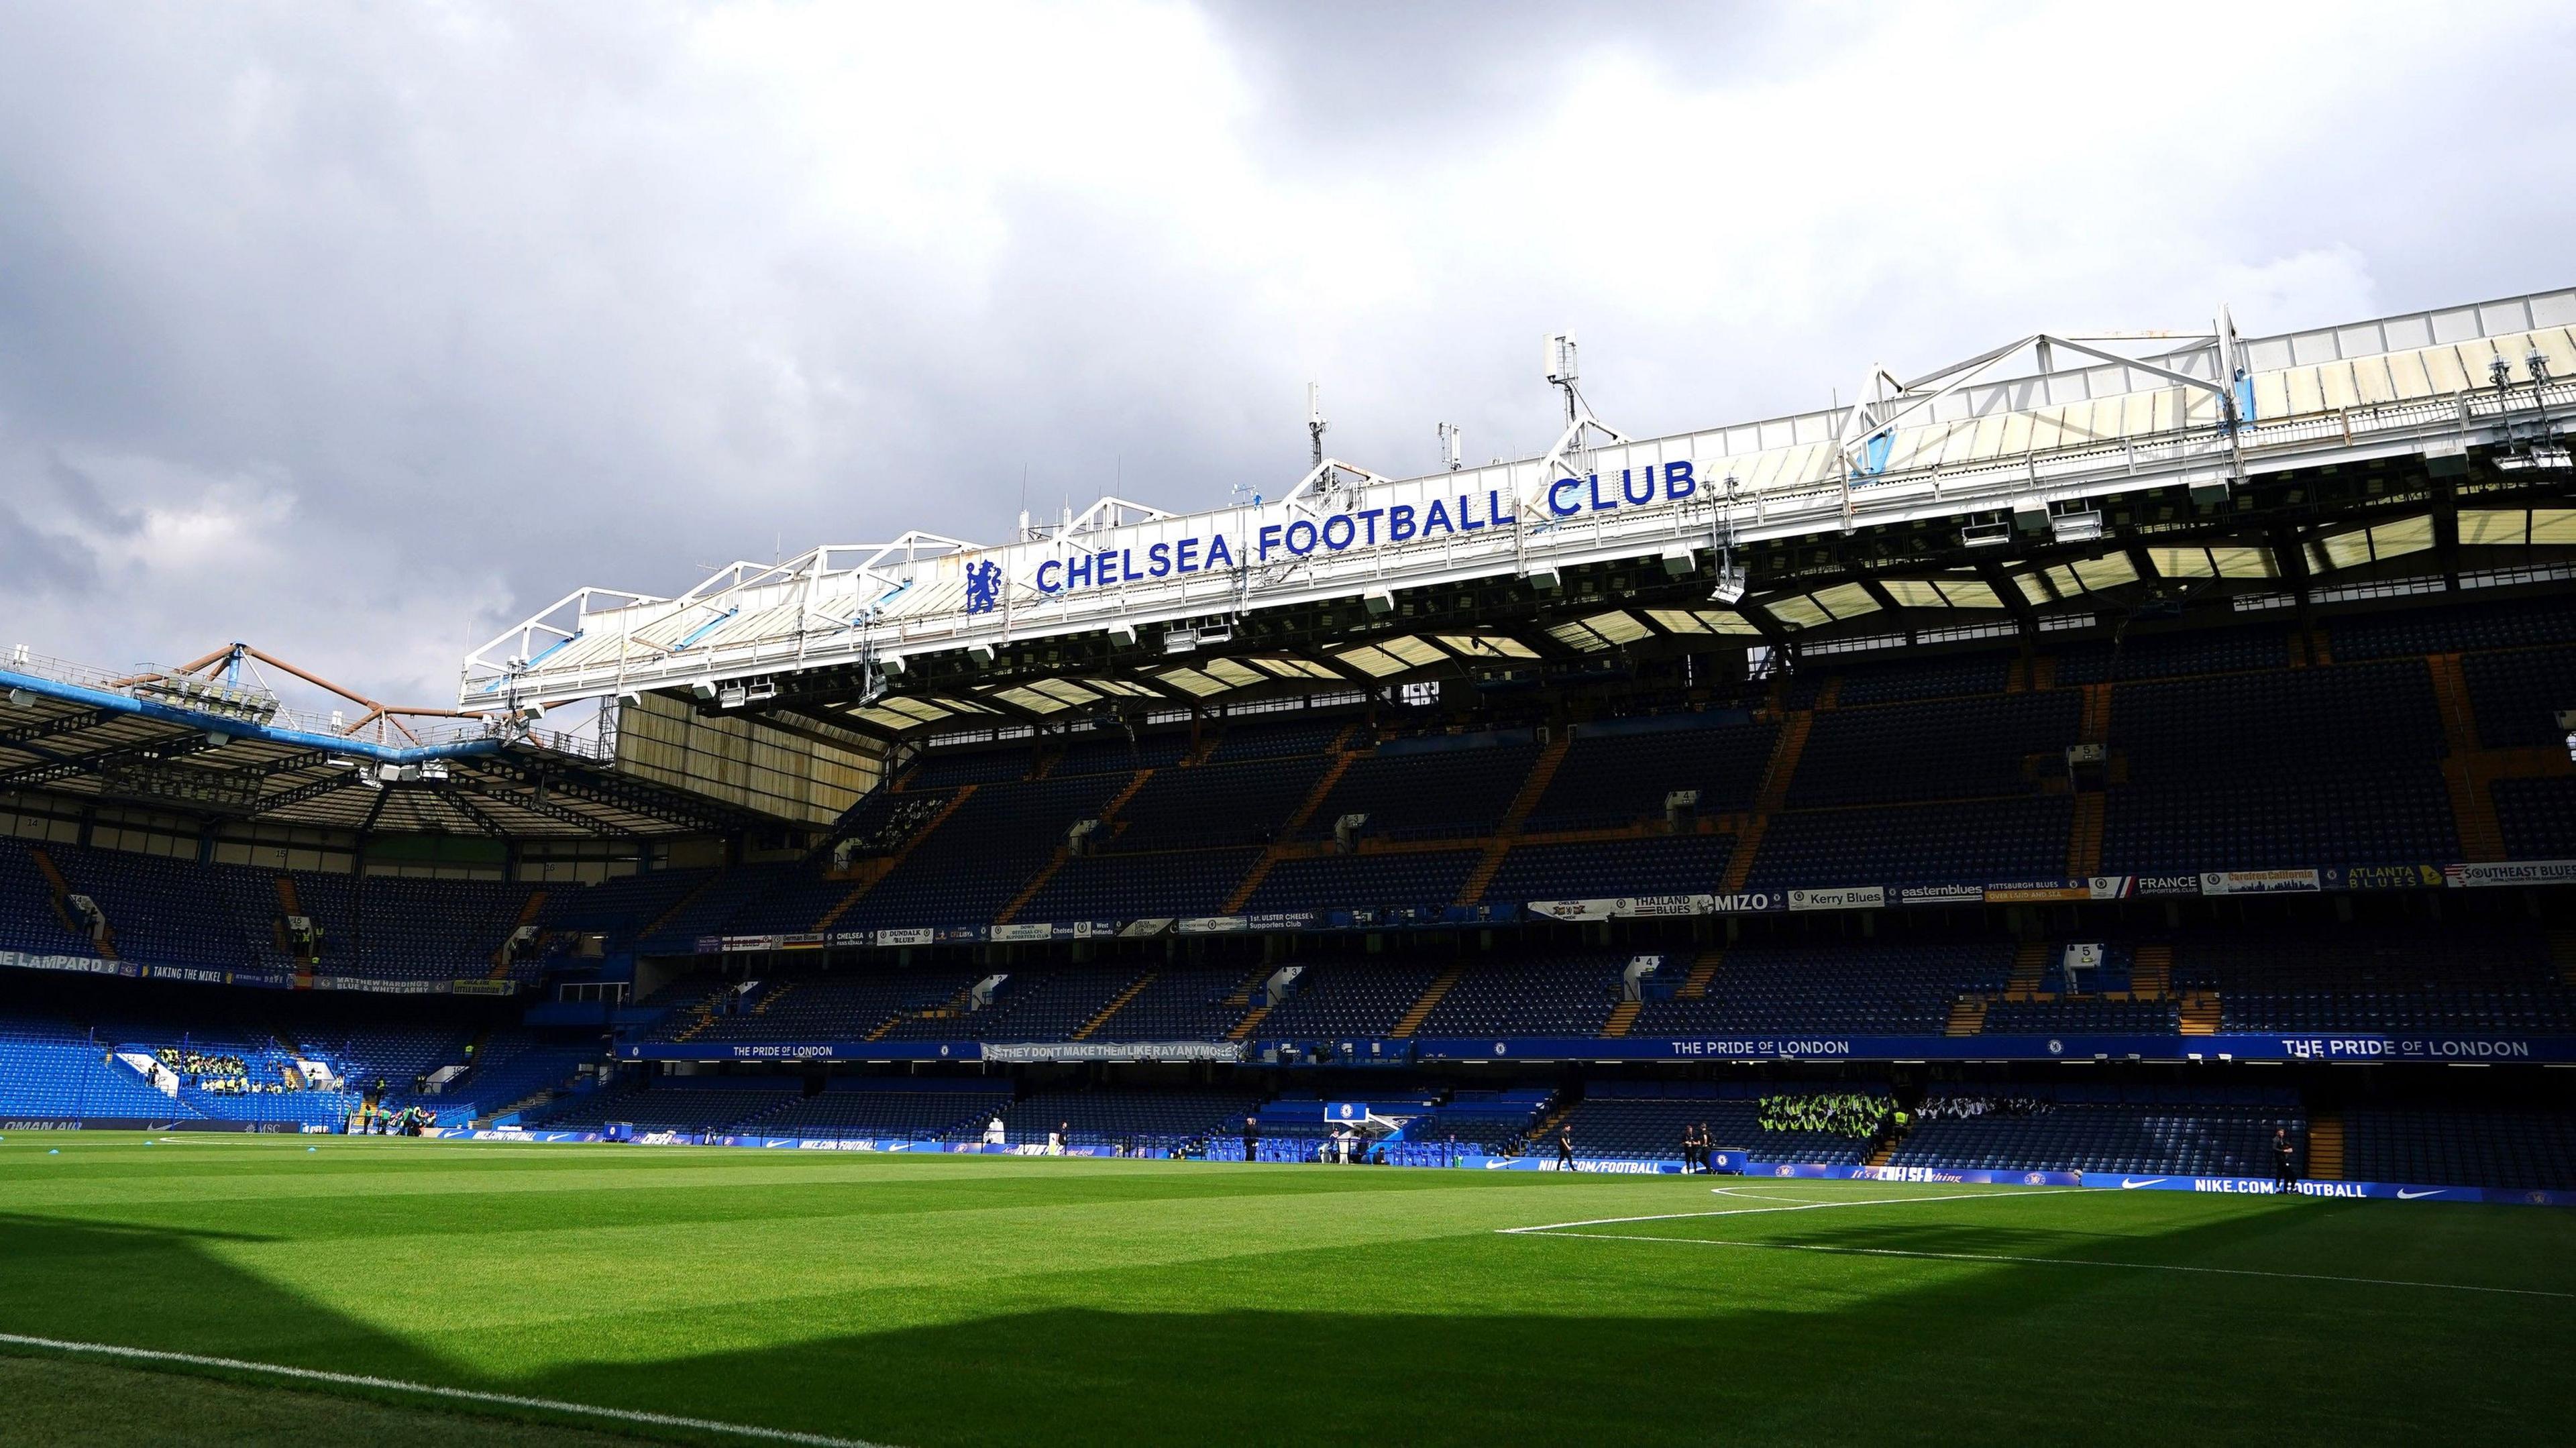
{"points": [[358, 332]]}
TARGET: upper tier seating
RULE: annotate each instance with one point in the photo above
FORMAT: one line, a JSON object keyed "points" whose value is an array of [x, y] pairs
{"points": [[1277, 739], [948, 768], [1613, 777], [1215, 805], [1954, 749], [1114, 753], [2537, 817], [1598, 869], [1403, 880], [966, 870], [1128, 887], [1975, 841], [1423, 794], [2516, 696], [891, 1109]]}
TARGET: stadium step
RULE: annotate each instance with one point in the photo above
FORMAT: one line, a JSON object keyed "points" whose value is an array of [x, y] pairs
{"points": [[1242, 1030], [105, 938], [2096, 725], [528, 914], [2562, 953], [2200, 1013], [687, 897], [1967, 1016], [1880, 1154], [1831, 695], [1029, 891], [1533, 788], [869, 878], [1117, 1003], [1739, 862], [1694, 986], [286, 901], [771, 997], [1421, 1009], [1623, 1017], [2030, 966], [2043, 671], [1784, 762], [2084, 838], [2151, 971], [2325, 1146], [1288, 832]]}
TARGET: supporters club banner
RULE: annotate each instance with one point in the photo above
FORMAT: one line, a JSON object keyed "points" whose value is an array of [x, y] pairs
{"points": [[2516, 872]]}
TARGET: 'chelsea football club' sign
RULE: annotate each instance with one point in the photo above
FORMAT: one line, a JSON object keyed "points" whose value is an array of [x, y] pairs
{"points": [[1393, 523]]}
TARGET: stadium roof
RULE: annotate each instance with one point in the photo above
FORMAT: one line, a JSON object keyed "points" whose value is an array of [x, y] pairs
{"points": [[1969, 497], [211, 738]]}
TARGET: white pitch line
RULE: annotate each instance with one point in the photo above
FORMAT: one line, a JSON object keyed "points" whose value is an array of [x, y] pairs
{"points": [[2061, 1262], [1757, 1211], [470, 1395]]}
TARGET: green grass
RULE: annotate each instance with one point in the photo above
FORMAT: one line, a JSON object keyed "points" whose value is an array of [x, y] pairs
{"points": [[967, 1300]]}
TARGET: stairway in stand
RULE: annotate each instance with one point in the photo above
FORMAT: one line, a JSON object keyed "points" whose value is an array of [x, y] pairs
{"points": [[2151, 971], [2200, 1013], [874, 872], [2084, 839], [1288, 832], [1242, 1030], [1967, 1016], [1774, 793], [1694, 986], [2030, 969], [528, 914], [103, 941], [658, 921], [1542, 773], [1422, 1008], [1117, 1003], [2325, 1146], [1623, 1019]]}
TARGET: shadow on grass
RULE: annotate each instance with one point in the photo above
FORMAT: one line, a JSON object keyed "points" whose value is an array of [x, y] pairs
{"points": [[1490, 1340]]}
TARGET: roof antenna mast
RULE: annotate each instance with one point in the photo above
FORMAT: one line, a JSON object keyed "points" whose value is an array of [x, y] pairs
{"points": [[1315, 423]]}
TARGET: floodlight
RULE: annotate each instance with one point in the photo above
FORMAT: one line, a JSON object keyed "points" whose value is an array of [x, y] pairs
{"points": [[21, 699], [632, 698], [705, 689], [1379, 602], [893, 664], [1545, 578], [1679, 559], [1123, 635], [980, 655]]}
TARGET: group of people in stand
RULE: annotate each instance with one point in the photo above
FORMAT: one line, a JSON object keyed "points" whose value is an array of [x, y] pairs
{"points": [[1841, 1113], [371, 1119]]}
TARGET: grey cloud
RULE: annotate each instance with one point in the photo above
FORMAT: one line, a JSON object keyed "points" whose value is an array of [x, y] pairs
{"points": [[507, 299]]}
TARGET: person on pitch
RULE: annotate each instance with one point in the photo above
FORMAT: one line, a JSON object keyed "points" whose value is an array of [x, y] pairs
{"points": [[1565, 1148]]}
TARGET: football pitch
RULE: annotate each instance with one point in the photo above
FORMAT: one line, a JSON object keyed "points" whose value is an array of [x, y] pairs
{"points": [[522, 1294]]}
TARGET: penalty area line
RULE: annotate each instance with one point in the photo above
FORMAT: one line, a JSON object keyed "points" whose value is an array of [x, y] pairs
{"points": [[1758, 1211], [468, 1395], [1837, 1251]]}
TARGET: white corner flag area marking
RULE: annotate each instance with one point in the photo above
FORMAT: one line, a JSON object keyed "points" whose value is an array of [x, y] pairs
{"points": [[468, 1395]]}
